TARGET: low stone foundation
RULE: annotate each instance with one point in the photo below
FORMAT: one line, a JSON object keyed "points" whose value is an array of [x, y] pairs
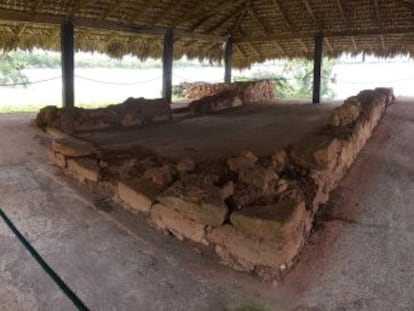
{"points": [[255, 213], [210, 98], [132, 112], [249, 91]]}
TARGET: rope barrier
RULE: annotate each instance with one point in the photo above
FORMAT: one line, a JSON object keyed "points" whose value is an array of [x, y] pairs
{"points": [[192, 81], [30, 82], [117, 83], [49, 271]]}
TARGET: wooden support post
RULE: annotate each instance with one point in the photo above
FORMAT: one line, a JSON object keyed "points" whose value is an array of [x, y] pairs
{"points": [[167, 61], [68, 64], [228, 56], [317, 69]]}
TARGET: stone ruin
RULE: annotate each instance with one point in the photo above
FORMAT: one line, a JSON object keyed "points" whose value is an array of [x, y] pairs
{"points": [[140, 111], [132, 112], [255, 213], [210, 98]]}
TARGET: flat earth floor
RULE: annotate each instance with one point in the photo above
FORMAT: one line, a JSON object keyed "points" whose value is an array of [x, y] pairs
{"points": [[359, 258], [261, 128]]}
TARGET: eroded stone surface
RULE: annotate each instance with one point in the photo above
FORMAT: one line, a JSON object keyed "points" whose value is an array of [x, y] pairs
{"points": [[73, 147], [270, 201], [169, 219], [128, 193], [196, 200], [84, 169]]}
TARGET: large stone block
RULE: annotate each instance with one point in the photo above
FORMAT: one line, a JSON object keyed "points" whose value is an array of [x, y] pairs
{"points": [[84, 169], [168, 219], [131, 195], [73, 147], [273, 222], [196, 200], [345, 114], [263, 179], [317, 152], [56, 158]]}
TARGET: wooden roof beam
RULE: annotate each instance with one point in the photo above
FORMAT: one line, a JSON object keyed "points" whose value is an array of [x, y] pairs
{"points": [[79, 5], [328, 44], [309, 9], [224, 20], [236, 26], [303, 45], [27, 17], [259, 23], [21, 28], [112, 9], [141, 10], [277, 44], [354, 43], [279, 9], [240, 49], [234, 13], [383, 42], [198, 10], [341, 9], [328, 33]]}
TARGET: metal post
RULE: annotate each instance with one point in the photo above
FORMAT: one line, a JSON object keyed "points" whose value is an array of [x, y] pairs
{"points": [[68, 64], [167, 60], [317, 68], [228, 58]]}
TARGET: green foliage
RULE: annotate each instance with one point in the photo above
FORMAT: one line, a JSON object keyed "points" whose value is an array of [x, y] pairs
{"points": [[11, 71], [295, 78]]}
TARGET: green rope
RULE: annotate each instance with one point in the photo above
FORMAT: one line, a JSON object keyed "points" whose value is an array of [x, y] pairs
{"points": [[52, 274]]}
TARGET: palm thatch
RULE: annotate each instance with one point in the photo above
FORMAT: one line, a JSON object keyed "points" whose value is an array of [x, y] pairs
{"points": [[260, 29]]}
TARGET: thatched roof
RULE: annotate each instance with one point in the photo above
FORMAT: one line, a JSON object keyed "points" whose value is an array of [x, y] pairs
{"points": [[261, 29]]}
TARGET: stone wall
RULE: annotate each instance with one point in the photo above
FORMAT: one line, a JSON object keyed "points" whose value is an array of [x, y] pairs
{"points": [[208, 98], [249, 91], [254, 212], [132, 112]]}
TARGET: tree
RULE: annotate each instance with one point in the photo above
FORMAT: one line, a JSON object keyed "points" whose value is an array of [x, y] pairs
{"points": [[11, 71]]}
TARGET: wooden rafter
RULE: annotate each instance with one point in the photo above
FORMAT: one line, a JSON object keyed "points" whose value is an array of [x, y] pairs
{"points": [[112, 9], [310, 10], [303, 45], [225, 19], [354, 43], [277, 44], [104, 25], [141, 10], [328, 33], [174, 6], [241, 50], [377, 14], [195, 12], [341, 9], [21, 28], [80, 5], [279, 9], [259, 23], [239, 21], [328, 44], [383, 42]]}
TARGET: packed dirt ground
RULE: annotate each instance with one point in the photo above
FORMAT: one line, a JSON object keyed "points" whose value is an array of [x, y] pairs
{"points": [[359, 258]]}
